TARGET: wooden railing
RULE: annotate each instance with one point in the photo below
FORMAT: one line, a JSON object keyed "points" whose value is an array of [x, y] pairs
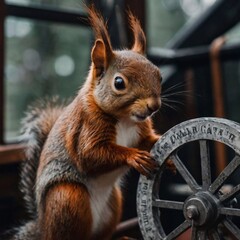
{"points": [[13, 153]]}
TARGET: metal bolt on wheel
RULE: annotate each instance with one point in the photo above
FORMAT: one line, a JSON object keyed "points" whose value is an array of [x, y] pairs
{"points": [[207, 207]]}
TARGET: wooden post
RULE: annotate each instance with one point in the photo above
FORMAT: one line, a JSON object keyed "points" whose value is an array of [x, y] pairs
{"points": [[218, 98]]}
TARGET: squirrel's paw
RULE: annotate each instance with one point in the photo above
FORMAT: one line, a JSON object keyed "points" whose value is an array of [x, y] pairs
{"points": [[143, 162]]}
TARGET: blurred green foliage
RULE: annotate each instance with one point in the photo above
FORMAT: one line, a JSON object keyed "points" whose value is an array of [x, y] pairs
{"points": [[42, 59]]}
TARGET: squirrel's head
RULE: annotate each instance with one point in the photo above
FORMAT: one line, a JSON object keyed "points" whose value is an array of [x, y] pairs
{"points": [[124, 83]]}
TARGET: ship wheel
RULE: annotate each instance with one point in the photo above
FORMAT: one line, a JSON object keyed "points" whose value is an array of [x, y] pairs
{"points": [[209, 211]]}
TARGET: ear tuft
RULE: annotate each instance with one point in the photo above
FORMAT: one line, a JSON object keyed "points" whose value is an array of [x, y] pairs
{"points": [[139, 45], [102, 52]]}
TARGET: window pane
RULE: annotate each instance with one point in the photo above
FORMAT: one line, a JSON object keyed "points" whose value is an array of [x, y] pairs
{"points": [[233, 35], [42, 59], [166, 17], [66, 4]]}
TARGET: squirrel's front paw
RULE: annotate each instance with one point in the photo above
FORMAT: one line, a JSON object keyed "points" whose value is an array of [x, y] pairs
{"points": [[143, 162]]}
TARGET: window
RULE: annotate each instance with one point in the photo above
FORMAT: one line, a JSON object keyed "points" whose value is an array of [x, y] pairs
{"points": [[167, 17], [53, 60], [42, 58]]}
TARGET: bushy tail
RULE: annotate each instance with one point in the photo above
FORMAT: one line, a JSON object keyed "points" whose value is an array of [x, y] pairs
{"points": [[37, 124]]}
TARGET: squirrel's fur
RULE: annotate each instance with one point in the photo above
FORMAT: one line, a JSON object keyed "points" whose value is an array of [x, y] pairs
{"points": [[37, 124], [77, 153]]}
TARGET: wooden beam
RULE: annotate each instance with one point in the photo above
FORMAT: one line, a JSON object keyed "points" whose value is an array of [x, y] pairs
{"points": [[48, 14], [13, 153]]}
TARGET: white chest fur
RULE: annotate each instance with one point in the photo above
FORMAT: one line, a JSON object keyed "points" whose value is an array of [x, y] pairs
{"points": [[127, 134], [100, 188]]}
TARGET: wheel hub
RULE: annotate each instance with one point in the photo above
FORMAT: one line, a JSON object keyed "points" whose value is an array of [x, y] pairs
{"points": [[202, 209]]}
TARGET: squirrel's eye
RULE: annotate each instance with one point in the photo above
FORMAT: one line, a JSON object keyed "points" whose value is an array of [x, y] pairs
{"points": [[119, 83]]}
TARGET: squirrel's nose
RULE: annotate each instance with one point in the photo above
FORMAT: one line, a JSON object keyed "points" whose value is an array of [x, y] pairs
{"points": [[153, 107]]}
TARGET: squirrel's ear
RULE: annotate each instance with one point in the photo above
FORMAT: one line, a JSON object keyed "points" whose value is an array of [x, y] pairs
{"points": [[139, 45], [100, 57]]}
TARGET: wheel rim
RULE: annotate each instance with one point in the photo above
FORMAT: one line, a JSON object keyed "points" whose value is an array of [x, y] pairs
{"points": [[206, 207]]}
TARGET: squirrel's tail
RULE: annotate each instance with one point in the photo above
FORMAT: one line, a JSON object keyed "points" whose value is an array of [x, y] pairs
{"points": [[37, 124], [29, 231]]}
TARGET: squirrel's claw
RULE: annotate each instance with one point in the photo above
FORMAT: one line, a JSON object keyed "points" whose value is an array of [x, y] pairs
{"points": [[171, 166], [144, 163]]}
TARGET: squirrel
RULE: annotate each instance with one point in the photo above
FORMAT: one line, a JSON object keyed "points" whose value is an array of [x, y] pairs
{"points": [[77, 153]]}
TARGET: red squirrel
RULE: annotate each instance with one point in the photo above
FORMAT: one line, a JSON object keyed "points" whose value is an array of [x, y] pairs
{"points": [[77, 153]]}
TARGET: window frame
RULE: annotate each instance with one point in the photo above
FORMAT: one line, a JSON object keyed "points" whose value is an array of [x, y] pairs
{"points": [[14, 153]]}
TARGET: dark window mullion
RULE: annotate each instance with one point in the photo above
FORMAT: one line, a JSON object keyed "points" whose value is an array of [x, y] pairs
{"points": [[47, 14], [2, 18]]}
